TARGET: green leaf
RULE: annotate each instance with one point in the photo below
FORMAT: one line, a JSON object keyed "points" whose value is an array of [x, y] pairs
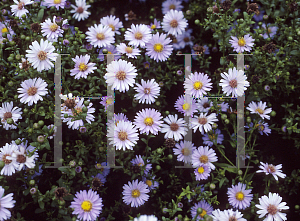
{"points": [[41, 204], [39, 210], [40, 15], [221, 182], [144, 140], [295, 52], [83, 50]]}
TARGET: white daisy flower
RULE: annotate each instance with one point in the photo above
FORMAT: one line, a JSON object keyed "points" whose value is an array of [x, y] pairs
{"points": [[22, 157], [131, 52], [204, 155], [271, 169], [82, 67], [114, 23], [175, 128], [171, 4], [272, 207], [197, 84], [10, 164], [204, 104], [7, 111], [138, 35], [184, 150], [234, 83], [51, 30], [100, 35], [19, 9], [80, 10], [69, 101], [56, 3], [203, 122], [148, 91], [40, 55], [174, 22], [32, 90], [6, 202], [120, 74], [123, 135], [229, 215], [259, 108]]}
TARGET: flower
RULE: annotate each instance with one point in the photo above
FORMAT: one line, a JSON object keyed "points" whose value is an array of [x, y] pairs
{"points": [[175, 128], [138, 35], [259, 108], [272, 207], [258, 15], [5, 202], [19, 9], [234, 83], [135, 193], [5, 28], [7, 111], [228, 215], [129, 51], [98, 181], [154, 25], [224, 106], [52, 30], [69, 101], [262, 128], [204, 104], [146, 218], [206, 209], [87, 205], [202, 172], [215, 136], [197, 84], [103, 167], [184, 150], [148, 120], [107, 101], [203, 122], [100, 35], [270, 31], [123, 135], [114, 23], [152, 184], [242, 44], [147, 92], [171, 4], [271, 169], [40, 55], [110, 50], [24, 156], [158, 48], [204, 155], [80, 10], [183, 106], [10, 163], [32, 90], [184, 40], [239, 197], [174, 22], [82, 67], [55, 3], [140, 162], [117, 118], [120, 74]]}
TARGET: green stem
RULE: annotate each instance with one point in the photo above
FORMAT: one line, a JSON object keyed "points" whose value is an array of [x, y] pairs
{"points": [[225, 157]]}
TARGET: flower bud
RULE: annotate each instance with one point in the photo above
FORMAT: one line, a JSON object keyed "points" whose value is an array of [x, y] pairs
{"points": [[41, 139]]}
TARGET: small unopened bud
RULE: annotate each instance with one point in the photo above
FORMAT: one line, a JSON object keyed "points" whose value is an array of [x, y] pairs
{"points": [[41, 139]]}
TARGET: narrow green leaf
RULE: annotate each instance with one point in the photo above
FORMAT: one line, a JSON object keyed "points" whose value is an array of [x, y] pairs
{"points": [[40, 15]]}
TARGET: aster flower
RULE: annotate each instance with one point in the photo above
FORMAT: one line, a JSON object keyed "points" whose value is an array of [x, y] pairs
{"points": [[152, 184], [82, 67], [259, 108], [148, 120], [31, 91], [234, 83], [271, 207], [242, 44], [69, 101], [147, 92], [131, 52], [111, 49], [202, 172], [175, 128], [224, 106], [80, 10], [19, 9], [40, 55], [204, 104], [6, 202], [10, 163], [171, 4], [215, 136], [7, 111], [239, 197], [271, 169], [184, 151], [184, 40], [120, 74], [24, 156], [87, 205], [174, 22], [270, 31], [216, 214], [229, 215], [140, 162], [51, 30], [197, 84], [107, 101], [98, 181], [261, 126], [203, 122], [207, 209], [100, 35], [117, 118], [123, 135], [135, 193], [154, 25], [158, 48], [114, 23], [138, 35], [5, 28], [204, 155], [56, 3], [146, 218], [182, 106], [258, 15], [103, 167]]}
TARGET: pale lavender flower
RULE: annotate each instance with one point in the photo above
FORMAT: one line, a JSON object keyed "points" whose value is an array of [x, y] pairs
{"points": [[239, 197], [148, 120], [271, 169], [135, 193], [184, 151], [242, 44]]}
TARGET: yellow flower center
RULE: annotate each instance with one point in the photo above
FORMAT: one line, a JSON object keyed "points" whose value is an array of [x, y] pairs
{"points": [[140, 164], [269, 30], [53, 27], [135, 193], [186, 106], [212, 137], [239, 196], [153, 26], [203, 159], [158, 47], [149, 182], [109, 101], [203, 213], [82, 67], [149, 121], [185, 151], [112, 27], [57, 1], [241, 42], [86, 206], [128, 50], [200, 170], [100, 36], [260, 111], [198, 85], [4, 30], [138, 35]]}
